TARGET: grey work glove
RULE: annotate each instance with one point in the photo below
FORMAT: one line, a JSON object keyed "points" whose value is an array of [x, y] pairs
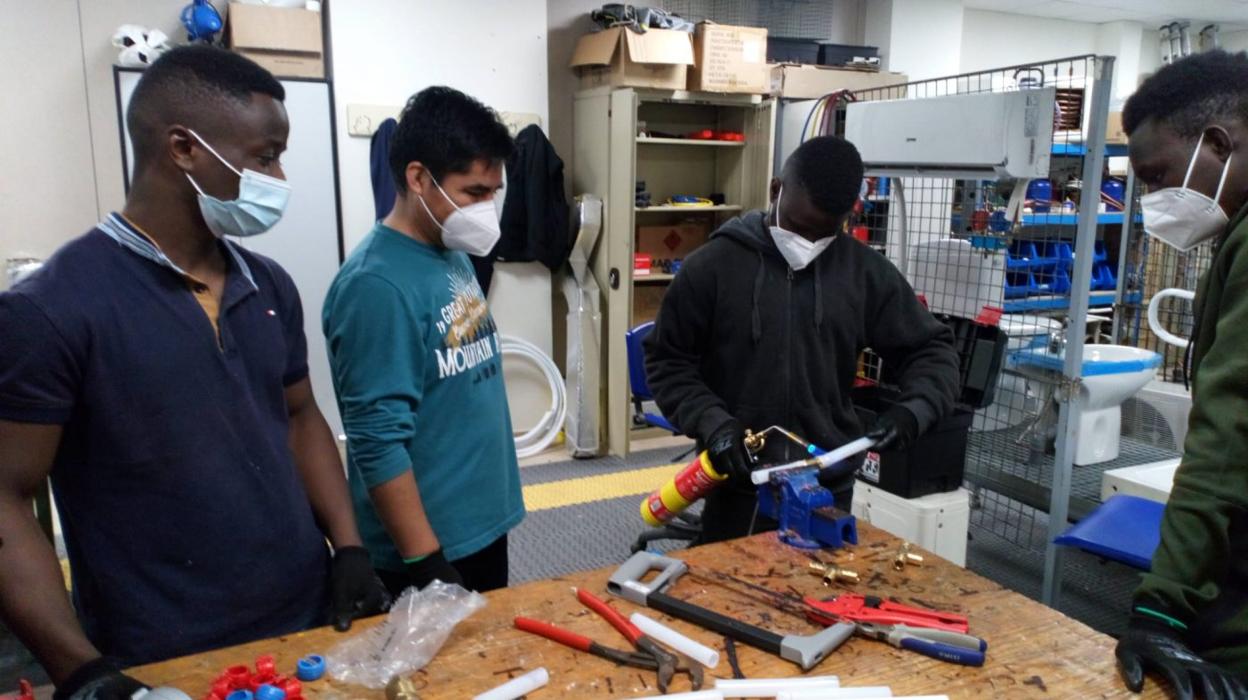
{"points": [[1152, 645]]}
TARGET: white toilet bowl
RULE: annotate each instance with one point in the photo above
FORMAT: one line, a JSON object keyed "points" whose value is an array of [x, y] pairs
{"points": [[1111, 374]]}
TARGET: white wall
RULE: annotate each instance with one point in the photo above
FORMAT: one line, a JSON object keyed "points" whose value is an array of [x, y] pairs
{"points": [[386, 50], [63, 136], [48, 191], [995, 39], [921, 38], [1233, 41]]}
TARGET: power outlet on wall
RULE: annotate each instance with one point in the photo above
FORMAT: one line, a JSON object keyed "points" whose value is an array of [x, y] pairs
{"points": [[363, 120]]}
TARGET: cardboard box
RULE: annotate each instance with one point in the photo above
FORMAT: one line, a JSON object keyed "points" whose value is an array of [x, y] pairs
{"points": [[285, 41], [1113, 130], [729, 59], [804, 82], [647, 299], [670, 242], [618, 57]]}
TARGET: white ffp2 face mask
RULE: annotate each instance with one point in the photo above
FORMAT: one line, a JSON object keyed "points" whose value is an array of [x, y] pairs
{"points": [[472, 229], [260, 204], [797, 251], [1182, 217]]}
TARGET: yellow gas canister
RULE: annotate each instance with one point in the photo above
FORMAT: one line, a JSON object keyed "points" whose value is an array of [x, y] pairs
{"points": [[684, 489]]}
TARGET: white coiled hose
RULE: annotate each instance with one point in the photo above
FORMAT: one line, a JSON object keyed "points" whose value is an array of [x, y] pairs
{"points": [[547, 429]]}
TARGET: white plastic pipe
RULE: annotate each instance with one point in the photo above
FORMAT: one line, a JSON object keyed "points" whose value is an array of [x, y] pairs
{"points": [[822, 461], [701, 653], [772, 687], [517, 687], [842, 693], [551, 422], [695, 695], [1154, 322]]}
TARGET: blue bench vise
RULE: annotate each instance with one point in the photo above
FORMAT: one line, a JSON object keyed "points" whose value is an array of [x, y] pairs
{"points": [[804, 509]]}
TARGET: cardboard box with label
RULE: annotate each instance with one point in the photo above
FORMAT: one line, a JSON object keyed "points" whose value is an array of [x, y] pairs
{"points": [[729, 59], [619, 57], [671, 242], [803, 82], [286, 41]]}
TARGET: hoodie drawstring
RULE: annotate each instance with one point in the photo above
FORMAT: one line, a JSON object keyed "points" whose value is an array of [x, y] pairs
{"points": [[818, 298], [756, 319]]}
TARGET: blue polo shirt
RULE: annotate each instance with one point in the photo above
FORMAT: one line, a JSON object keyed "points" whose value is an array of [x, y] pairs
{"points": [[185, 519]]}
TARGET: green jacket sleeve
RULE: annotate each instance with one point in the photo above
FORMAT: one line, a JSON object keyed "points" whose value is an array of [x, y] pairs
{"points": [[375, 356], [1209, 501]]}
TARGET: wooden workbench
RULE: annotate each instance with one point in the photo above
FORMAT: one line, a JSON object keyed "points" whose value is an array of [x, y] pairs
{"points": [[1033, 650]]}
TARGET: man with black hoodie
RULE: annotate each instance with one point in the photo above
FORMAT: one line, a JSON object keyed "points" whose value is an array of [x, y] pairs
{"points": [[764, 326]]}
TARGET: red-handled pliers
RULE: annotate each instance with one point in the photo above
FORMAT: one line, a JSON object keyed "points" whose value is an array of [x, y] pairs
{"points": [[648, 655], [585, 644]]}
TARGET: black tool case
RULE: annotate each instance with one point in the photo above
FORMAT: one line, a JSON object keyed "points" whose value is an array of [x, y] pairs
{"points": [[935, 463]]}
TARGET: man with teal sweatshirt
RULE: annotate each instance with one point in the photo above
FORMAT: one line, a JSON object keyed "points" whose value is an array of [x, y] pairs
{"points": [[416, 359], [1188, 128]]}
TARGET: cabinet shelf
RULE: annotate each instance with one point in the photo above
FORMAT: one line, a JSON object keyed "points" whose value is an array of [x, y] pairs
{"points": [[689, 142], [653, 278], [687, 210]]}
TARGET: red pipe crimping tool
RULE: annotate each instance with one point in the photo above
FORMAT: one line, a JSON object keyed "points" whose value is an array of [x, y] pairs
{"points": [[853, 607]]}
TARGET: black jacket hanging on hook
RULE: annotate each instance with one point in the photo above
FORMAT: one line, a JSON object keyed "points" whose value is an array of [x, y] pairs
{"points": [[535, 212]]}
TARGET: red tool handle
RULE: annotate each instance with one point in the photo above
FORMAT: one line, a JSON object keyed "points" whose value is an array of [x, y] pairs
{"points": [[555, 634], [618, 621]]}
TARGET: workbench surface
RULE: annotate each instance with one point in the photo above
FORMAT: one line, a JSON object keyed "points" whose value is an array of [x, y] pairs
{"points": [[1033, 651]]}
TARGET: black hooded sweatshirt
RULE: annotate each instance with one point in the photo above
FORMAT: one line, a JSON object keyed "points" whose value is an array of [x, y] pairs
{"points": [[740, 334]]}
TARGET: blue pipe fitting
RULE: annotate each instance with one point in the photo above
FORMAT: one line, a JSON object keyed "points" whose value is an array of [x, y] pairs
{"points": [[240, 695], [270, 692], [309, 668]]}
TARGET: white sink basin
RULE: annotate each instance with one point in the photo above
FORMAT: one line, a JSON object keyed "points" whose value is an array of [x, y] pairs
{"points": [[1098, 360]]}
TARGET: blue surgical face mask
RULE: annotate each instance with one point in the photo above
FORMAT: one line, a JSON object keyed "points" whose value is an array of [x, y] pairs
{"points": [[260, 204]]}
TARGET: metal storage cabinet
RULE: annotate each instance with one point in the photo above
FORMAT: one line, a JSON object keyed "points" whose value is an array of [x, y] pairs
{"points": [[609, 157]]}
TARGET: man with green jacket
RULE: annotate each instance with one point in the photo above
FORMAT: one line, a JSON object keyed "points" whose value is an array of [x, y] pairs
{"points": [[1188, 128]]}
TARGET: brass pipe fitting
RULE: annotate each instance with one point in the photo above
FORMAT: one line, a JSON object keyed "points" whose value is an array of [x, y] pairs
{"points": [[905, 556], [833, 573]]}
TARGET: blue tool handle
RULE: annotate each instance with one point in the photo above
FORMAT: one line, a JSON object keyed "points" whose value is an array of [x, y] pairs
{"points": [[956, 639], [944, 652]]}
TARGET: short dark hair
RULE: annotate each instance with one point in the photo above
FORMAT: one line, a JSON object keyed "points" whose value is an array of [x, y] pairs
{"points": [[445, 130], [1191, 93], [183, 84], [830, 170]]}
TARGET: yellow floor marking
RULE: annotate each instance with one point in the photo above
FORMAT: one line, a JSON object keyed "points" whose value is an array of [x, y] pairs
{"points": [[587, 489]]}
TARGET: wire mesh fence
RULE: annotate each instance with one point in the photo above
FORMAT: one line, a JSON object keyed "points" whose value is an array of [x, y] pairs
{"points": [[1009, 245]]}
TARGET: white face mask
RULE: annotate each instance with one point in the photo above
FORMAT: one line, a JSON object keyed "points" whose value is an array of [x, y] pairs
{"points": [[472, 229], [1182, 217], [797, 251], [260, 204]]}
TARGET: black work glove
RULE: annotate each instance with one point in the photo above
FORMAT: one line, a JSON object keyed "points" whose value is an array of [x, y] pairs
{"points": [[98, 679], [894, 429], [435, 566], [726, 449], [354, 589], [1152, 645]]}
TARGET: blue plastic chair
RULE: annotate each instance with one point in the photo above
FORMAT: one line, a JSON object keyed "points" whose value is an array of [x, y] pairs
{"points": [[637, 378], [1126, 529]]}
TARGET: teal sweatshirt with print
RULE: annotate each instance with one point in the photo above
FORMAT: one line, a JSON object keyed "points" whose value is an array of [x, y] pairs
{"points": [[418, 372]]}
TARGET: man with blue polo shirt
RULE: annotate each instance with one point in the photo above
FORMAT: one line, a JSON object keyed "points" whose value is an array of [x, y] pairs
{"points": [[158, 373], [416, 362]]}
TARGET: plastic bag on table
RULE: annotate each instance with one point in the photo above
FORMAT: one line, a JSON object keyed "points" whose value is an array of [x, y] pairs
{"points": [[415, 629]]}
